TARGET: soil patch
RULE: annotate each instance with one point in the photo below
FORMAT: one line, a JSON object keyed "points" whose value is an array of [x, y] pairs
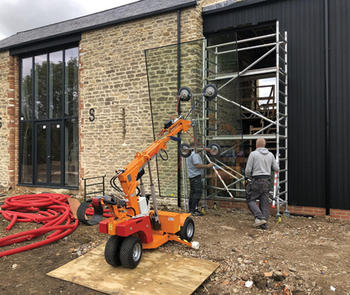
{"points": [[299, 255]]}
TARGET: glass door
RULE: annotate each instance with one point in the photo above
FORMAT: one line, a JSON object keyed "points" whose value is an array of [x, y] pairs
{"points": [[41, 155], [48, 156], [55, 150]]}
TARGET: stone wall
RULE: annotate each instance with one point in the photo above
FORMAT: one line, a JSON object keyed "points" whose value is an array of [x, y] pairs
{"points": [[113, 81]]}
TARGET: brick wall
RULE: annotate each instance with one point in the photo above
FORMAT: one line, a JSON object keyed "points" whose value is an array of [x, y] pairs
{"points": [[12, 110], [298, 210], [9, 106], [5, 93]]}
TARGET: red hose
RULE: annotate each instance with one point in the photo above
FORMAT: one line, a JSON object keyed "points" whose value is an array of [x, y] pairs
{"points": [[106, 212], [51, 210]]}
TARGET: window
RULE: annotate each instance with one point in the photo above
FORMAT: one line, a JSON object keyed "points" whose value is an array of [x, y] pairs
{"points": [[49, 119]]}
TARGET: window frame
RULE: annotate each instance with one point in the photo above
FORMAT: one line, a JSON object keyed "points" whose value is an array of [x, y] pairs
{"points": [[63, 119]]}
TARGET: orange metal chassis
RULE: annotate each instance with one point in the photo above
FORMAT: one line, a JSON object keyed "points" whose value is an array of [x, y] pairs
{"points": [[123, 222]]}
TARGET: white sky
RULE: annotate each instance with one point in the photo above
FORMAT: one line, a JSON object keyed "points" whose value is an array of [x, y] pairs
{"points": [[22, 15]]}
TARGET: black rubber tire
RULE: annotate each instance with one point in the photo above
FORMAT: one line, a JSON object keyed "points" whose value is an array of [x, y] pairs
{"points": [[127, 257], [95, 219], [210, 92], [185, 150], [112, 250], [185, 94], [184, 233], [215, 147]]}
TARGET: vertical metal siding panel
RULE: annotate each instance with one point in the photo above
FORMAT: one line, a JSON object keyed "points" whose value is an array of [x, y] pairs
{"points": [[340, 103], [304, 23]]}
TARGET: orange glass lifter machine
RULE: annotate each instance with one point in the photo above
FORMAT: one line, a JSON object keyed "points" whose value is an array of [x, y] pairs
{"points": [[133, 226]]}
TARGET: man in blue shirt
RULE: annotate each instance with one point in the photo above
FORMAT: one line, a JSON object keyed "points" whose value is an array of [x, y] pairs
{"points": [[194, 171]]}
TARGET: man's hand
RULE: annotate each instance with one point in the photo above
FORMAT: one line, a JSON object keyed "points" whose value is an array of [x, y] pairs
{"points": [[247, 181], [210, 165]]}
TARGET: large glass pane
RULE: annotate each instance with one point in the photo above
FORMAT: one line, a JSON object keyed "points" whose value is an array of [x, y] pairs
{"points": [[40, 86], [164, 74], [71, 82], [41, 164], [26, 89], [26, 153], [71, 152], [55, 155], [56, 84]]}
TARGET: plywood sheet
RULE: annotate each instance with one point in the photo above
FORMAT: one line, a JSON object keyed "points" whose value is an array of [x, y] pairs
{"points": [[157, 273]]}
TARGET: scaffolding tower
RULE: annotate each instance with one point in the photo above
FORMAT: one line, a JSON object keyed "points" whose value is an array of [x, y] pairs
{"points": [[265, 115]]}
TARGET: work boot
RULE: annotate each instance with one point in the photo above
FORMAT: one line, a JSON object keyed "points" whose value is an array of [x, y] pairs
{"points": [[199, 212], [196, 213], [264, 226], [259, 222]]}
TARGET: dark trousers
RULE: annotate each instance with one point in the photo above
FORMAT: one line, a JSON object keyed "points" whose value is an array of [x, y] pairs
{"points": [[259, 189], [195, 192]]}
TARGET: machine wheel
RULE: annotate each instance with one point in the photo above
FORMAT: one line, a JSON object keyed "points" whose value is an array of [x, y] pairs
{"points": [[112, 250], [187, 230], [214, 150], [130, 252], [95, 219], [210, 92], [185, 94], [185, 150]]}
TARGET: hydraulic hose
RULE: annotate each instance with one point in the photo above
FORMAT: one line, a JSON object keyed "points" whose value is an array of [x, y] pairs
{"points": [[51, 210]]}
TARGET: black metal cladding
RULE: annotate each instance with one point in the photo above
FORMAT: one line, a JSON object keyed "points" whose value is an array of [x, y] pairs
{"points": [[339, 44], [304, 21]]}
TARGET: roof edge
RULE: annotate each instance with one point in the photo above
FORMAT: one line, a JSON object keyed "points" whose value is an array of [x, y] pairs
{"points": [[100, 26], [79, 17], [219, 7]]}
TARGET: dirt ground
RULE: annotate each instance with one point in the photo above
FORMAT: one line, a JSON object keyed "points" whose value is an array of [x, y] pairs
{"points": [[300, 255]]}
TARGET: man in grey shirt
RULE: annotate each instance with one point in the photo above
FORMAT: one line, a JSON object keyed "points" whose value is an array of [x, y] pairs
{"points": [[258, 169], [194, 171]]}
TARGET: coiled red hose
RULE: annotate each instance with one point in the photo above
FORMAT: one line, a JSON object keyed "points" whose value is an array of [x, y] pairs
{"points": [[106, 212], [51, 210]]}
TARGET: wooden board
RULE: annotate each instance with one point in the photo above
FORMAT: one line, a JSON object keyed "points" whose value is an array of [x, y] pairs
{"points": [[157, 273], [74, 205]]}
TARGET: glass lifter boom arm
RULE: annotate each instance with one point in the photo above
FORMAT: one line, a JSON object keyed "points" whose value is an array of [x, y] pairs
{"points": [[128, 178]]}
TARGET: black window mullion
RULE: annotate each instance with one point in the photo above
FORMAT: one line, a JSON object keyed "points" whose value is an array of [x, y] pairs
{"points": [[48, 152], [48, 86], [20, 154], [34, 151], [48, 127], [62, 152], [64, 84], [20, 162], [33, 125], [63, 144]]}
